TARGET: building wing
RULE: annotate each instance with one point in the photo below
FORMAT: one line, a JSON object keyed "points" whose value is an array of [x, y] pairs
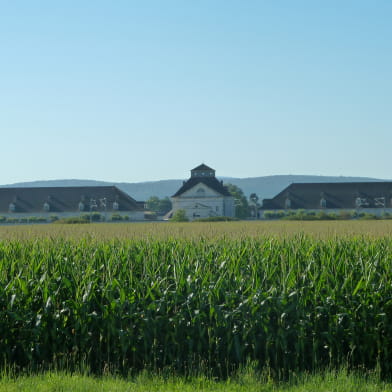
{"points": [[65, 199], [347, 195]]}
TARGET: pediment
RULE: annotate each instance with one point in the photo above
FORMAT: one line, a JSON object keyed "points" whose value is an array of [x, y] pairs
{"points": [[201, 190]]}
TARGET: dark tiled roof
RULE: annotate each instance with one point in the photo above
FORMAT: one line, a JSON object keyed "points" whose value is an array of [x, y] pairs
{"points": [[64, 199], [336, 195], [211, 182], [202, 167]]}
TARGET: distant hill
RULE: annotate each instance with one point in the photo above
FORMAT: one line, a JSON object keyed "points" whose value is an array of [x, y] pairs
{"points": [[265, 187]]}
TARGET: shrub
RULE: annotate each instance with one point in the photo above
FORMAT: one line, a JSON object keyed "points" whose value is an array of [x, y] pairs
{"points": [[367, 216], [95, 216], [179, 216], [72, 220], [345, 215], [216, 219], [116, 218], [12, 220], [269, 215]]}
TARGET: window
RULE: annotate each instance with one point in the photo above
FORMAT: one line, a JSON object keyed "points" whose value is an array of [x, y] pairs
{"points": [[81, 206], [200, 192], [323, 203], [12, 207], [46, 206], [116, 205], [361, 202], [287, 203]]}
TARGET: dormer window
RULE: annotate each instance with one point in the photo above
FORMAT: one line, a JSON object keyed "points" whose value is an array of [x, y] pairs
{"points": [[115, 205], [12, 207], [46, 207]]}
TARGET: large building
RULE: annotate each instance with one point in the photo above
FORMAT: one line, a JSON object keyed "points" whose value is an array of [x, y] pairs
{"points": [[68, 201], [203, 196], [371, 197]]}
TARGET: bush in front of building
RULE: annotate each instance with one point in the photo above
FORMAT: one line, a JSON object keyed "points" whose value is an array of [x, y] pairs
{"points": [[116, 218], [72, 220], [94, 216], [296, 215], [12, 220], [119, 218], [216, 219], [179, 216], [36, 219], [367, 216], [274, 214]]}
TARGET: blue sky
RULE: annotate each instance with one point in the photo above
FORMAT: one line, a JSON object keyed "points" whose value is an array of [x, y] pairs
{"points": [[146, 90]]}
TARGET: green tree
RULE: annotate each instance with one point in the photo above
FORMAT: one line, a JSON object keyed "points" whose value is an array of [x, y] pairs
{"points": [[165, 205], [160, 206], [153, 203], [240, 201]]}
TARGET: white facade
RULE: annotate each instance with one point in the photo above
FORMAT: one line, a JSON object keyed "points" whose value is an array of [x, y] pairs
{"points": [[201, 201]]}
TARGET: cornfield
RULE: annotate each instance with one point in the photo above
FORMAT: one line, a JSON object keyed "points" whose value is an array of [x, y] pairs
{"points": [[289, 304]]}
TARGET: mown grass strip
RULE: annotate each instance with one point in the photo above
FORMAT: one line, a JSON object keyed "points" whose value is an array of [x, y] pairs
{"points": [[246, 382]]}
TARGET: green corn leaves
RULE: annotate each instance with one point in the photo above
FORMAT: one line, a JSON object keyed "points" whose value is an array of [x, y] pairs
{"points": [[293, 304]]}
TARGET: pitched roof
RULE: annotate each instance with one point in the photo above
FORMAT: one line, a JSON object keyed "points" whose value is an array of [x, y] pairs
{"points": [[336, 195], [64, 199], [211, 182], [202, 167]]}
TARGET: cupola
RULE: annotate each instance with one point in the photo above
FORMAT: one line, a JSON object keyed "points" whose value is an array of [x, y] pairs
{"points": [[202, 171]]}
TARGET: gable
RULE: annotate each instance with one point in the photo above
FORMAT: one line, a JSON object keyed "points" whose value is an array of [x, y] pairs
{"points": [[210, 182], [201, 191]]}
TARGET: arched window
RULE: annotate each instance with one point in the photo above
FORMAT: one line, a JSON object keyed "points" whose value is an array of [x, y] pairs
{"points": [[200, 192], [115, 205], [81, 206], [12, 207], [323, 203], [46, 206]]}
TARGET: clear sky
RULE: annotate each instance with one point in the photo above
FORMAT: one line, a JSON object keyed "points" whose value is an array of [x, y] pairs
{"points": [[146, 90]]}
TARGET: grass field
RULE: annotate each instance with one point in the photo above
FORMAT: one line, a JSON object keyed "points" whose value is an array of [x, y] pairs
{"points": [[198, 298], [195, 230]]}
